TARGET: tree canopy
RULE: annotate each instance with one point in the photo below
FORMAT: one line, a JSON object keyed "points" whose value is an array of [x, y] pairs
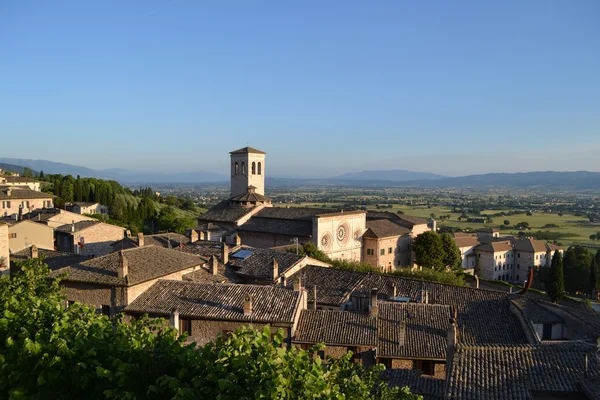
{"points": [[452, 257], [556, 288], [49, 350], [429, 251]]}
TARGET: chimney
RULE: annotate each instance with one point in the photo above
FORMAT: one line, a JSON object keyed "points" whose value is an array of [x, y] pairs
{"points": [[237, 240], [224, 253], [315, 297], [373, 309], [34, 251], [9, 192], [274, 269], [247, 305], [140, 239], [510, 289], [451, 339], [73, 226], [426, 296], [193, 236], [283, 281], [477, 281], [394, 290], [297, 283], [175, 319], [214, 265], [123, 267]]}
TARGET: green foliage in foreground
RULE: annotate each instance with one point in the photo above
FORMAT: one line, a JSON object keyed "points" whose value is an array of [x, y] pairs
{"points": [[447, 277], [49, 351]]}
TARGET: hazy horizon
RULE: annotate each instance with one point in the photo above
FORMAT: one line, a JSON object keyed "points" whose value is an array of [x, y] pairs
{"points": [[323, 87]]}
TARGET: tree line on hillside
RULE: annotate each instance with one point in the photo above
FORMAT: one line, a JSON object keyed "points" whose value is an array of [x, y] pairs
{"points": [[140, 210], [49, 349]]}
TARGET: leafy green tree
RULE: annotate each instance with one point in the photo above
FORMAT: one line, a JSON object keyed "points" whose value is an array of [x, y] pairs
{"points": [[41, 174], [452, 257], [556, 288], [576, 262], [27, 172], [429, 251], [49, 350], [506, 222]]}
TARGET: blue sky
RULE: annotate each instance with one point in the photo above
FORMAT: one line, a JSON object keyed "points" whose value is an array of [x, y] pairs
{"points": [[323, 87]]}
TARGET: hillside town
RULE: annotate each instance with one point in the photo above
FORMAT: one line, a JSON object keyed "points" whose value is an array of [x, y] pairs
{"points": [[240, 266]]}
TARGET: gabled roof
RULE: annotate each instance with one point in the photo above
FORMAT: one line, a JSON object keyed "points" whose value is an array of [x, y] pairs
{"points": [[534, 312], [494, 247], [45, 214], [251, 197], [20, 193], [336, 327], [466, 241], [529, 245], [413, 330], [333, 285], [518, 371], [298, 213], [246, 150], [259, 263], [54, 259], [18, 179], [159, 239], [79, 226], [223, 302], [479, 311], [144, 264], [288, 227], [225, 212], [384, 228]]}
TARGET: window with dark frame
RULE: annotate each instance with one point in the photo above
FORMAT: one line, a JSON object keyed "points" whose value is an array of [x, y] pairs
{"points": [[185, 325]]}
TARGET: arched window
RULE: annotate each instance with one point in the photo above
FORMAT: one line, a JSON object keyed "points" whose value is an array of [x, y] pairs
{"points": [[237, 168], [259, 168], [243, 168], [253, 168]]}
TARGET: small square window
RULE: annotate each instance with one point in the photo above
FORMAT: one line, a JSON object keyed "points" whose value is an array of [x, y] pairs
{"points": [[382, 252], [390, 250]]}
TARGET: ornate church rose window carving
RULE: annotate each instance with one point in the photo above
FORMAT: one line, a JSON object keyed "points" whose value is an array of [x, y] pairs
{"points": [[326, 241], [342, 233]]}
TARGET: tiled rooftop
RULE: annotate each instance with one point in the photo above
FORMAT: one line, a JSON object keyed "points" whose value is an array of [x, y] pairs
{"points": [[144, 263], [518, 372], [336, 327], [218, 301]]}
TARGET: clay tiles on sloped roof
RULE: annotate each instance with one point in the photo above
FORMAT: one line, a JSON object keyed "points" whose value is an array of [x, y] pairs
{"points": [[259, 262], [427, 386], [225, 212], [384, 228], [246, 150], [209, 301], [144, 264], [520, 371], [336, 327], [20, 193], [54, 259]]}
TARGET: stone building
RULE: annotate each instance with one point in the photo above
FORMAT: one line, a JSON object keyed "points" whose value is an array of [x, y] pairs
{"points": [[18, 201], [55, 217], [169, 240], [25, 233], [4, 249], [19, 182], [205, 310], [388, 240], [82, 207], [88, 238], [111, 282]]}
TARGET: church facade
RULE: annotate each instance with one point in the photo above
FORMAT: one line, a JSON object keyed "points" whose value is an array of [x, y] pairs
{"points": [[249, 217]]}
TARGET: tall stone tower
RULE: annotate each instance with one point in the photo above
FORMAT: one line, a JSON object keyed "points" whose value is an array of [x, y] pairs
{"points": [[247, 169]]}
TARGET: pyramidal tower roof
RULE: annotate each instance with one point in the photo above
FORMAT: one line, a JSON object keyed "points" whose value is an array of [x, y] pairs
{"points": [[246, 150]]}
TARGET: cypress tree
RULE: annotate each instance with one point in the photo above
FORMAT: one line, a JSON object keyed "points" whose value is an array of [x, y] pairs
{"points": [[556, 285], [593, 275]]}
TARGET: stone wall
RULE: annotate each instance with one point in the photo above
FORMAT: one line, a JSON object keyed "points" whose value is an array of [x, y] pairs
{"points": [[4, 250], [241, 179], [96, 295], [13, 210], [98, 239], [266, 240]]}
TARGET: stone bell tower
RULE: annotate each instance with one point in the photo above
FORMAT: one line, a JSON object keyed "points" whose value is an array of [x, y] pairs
{"points": [[247, 169]]}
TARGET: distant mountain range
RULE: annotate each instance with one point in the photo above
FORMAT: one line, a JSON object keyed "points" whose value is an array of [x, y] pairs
{"points": [[117, 174], [547, 180], [14, 168]]}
